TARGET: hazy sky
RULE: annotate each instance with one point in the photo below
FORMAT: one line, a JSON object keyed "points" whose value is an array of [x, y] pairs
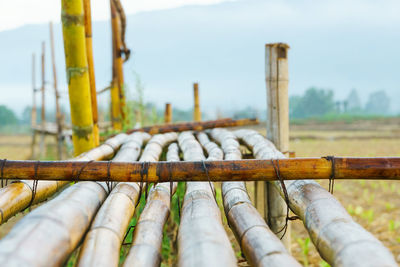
{"points": [[16, 13]]}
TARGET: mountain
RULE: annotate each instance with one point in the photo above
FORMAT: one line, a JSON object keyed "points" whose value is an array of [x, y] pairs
{"points": [[222, 47]]}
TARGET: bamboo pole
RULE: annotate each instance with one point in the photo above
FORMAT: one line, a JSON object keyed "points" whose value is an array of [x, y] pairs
{"points": [[147, 238], [277, 81], [118, 75], [43, 111], [259, 244], [17, 196], [57, 97], [77, 75], [194, 126], [33, 111], [168, 113], [102, 243], [92, 80], [339, 240], [243, 170], [202, 240], [196, 110]]}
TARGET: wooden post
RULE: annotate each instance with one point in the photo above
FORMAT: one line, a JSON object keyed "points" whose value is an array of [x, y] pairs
{"points": [[196, 111], [43, 110], [33, 111], [168, 113], [118, 75], [77, 75], [89, 55], [57, 97], [277, 128]]}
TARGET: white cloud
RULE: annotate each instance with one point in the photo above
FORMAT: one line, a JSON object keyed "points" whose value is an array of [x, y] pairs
{"points": [[16, 13]]}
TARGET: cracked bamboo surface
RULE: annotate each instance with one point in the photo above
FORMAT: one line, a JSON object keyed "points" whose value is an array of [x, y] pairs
{"points": [[337, 237], [58, 225], [17, 196], [148, 235], [202, 240], [259, 244], [102, 243]]}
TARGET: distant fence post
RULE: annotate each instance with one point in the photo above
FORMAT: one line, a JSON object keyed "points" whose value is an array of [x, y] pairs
{"points": [[277, 128], [196, 111], [168, 113]]}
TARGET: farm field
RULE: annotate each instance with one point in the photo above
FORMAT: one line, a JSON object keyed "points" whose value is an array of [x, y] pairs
{"points": [[373, 204]]}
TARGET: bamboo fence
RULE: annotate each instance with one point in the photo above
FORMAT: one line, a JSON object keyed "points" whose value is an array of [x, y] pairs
{"points": [[148, 235], [17, 196], [102, 243], [202, 240], [339, 240], [259, 244]]}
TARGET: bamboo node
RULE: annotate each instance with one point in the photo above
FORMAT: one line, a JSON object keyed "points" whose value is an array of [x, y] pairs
{"points": [[82, 131], [72, 20], [75, 71]]}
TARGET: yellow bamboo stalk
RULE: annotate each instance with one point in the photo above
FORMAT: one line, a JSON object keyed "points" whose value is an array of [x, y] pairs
{"points": [[17, 196], [339, 240], [168, 113], [258, 242], [77, 75], [202, 240], [89, 54], [196, 110], [118, 75]]}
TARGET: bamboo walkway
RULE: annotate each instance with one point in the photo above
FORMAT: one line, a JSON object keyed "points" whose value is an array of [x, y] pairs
{"points": [[92, 217]]}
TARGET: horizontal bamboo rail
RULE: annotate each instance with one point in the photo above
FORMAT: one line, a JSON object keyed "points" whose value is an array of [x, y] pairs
{"points": [[194, 126], [218, 170], [102, 243], [259, 244], [17, 196], [339, 240], [202, 240]]}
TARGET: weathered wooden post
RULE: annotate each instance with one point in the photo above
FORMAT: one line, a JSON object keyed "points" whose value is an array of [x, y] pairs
{"points": [[196, 111], [168, 113], [276, 72], [33, 111], [77, 75], [43, 110], [89, 55], [59, 136]]}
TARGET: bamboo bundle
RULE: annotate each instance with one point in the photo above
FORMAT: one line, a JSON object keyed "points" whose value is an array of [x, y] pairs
{"points": [[92, 80], [219, 170], [102, 243], [202, 240], [148, 235], [57, 226], [77, 75], [196, 126], [339, 240], [17, 196], [259, 244]]}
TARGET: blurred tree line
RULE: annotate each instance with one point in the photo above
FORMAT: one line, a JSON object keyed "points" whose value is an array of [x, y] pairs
{"points": [[316, 102]]}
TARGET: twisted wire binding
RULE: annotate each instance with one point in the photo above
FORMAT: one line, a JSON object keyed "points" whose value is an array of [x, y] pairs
{"points": [[286, 198], [333, 173], [209, 182], [109, 182], [34, 185]]}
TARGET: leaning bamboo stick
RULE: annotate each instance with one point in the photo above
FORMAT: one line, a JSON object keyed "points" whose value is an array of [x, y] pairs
{"points": [[43, 108], [339, 240], [77, 75], [147, 239], [227, 170], [202, 240], [102, 243], [92, 80], [17, 196], [259, 244], [194, 126]]}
